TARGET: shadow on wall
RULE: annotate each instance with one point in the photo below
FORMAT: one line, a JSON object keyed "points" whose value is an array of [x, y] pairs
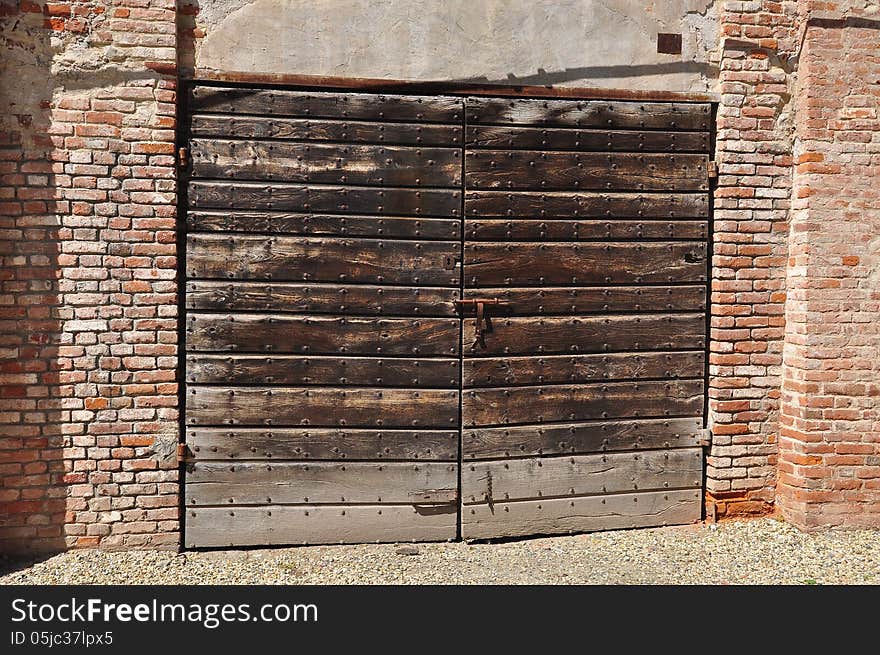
{"points": [[33, 479]]}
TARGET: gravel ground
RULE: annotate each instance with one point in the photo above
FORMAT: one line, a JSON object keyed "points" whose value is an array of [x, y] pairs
{"points": [[762, 551]]}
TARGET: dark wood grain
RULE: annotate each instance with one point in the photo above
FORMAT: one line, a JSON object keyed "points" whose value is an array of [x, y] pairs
{"points": [[320, 104], [580, 437], [316, 335], [583, 335], [531, 170], [526, 264], [326, 163], [585, 204], [340, 371], [314, 298], [573, 301], [339, 129], [568, 369], [589, 113], [580, 402], [317, 259], [500, 229], [322, 407], [543, 138], [309, 224], [226, 195]]}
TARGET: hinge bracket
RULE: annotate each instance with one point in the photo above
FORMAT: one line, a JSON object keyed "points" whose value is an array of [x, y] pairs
{"points": [[705, 437], [183, 157], [183, 453], [712, 170]]}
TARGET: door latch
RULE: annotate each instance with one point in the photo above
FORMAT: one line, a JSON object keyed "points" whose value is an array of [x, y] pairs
{"points": [[483, 323]]}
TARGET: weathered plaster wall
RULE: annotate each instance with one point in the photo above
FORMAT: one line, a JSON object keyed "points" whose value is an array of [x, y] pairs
{"points": [[595, 43]]}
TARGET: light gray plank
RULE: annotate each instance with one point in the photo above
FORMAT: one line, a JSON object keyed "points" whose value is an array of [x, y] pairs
{"points": [[584, 514], [265, 483], [580, 475], [214, 527]]}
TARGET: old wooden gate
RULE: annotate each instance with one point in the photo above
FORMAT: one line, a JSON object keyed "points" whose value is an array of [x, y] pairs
{"points": [[382, 288]]}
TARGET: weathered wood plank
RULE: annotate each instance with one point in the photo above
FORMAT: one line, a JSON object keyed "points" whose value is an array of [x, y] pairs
{"points": [[340, 371], [538, 301], [571, 369], [606, 114], [342, 130], [592, 334], [265, 483], [581, 402], [583, 514], [326, 163], [204, 194], [529, 264], [584, 437], [580, 475], [324, 224], [585, 204], [532, 170], [321, 104], [322, 406], [543, 138], [289, 297], [561, 230], [321, 259], [208, 527], [321, 444], [317, 335]]}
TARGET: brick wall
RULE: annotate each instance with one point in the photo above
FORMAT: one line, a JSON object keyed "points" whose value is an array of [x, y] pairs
{"points": [[753, 151], [88, 403], [829, 468]]}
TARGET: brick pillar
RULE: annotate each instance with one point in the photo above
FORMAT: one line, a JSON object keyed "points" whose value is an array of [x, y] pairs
{"points": [[753, 151], [88, 309], [829, 448]]}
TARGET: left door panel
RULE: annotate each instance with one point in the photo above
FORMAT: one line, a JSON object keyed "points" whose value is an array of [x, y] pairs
{"points": [[322, 339]]}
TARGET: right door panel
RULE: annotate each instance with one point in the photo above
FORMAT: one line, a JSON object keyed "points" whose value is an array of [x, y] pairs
{"points": [[585, 263]]}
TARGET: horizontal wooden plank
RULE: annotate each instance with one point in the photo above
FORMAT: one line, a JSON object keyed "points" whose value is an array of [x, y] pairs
{"points": [[580, 475], [560, 170], [590, 334], [321, 104], [326, 163], [582, 437], [583, 514], [286, 483], [316, 335], [227, 195], [318, 259], [349, 299], [585, 204], [608, 114], [568, 369], [500, 229], [529, 264], [340, 371], [538, 301], [327, 407], [324, 224], [543, 138], [581, 402], [321, 444], [220, 527], [342, 130]]}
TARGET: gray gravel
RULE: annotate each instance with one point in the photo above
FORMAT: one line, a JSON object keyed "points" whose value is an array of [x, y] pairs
{"points": [[763, 551]]}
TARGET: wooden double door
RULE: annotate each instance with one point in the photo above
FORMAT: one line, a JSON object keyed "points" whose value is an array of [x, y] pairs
{"points": [[423, 318]]}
